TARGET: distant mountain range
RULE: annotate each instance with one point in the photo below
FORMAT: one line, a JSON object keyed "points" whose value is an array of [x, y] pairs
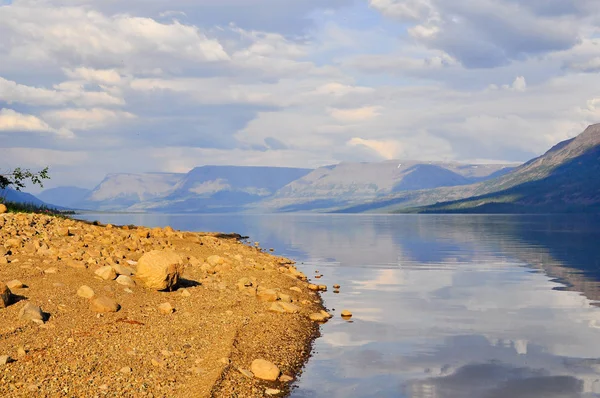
{"points": [[564, 179]]}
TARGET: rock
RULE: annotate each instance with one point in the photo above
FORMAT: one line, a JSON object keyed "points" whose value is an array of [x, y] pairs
{"points": [[125, 281], [185, 293], [3, 208], [15, 284], [160, 270], [125, 369], [76, 264], [246, 373], [85, 292], [215, 260], [104, 304], [107, 273], [123, 270], [31, 312], [285, 378], [346, 314], [336, 286], [296, 289], [21, 353], [265, 370], [5, 296], [323, 288], [166, 308], [322, 316], [4, 359], [312, 287], [51, 270], [284, 297], [283, 307], [267, 295], [272, 391]]}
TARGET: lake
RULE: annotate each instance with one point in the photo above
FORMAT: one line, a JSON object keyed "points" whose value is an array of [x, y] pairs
{"points": [[445, 306]]}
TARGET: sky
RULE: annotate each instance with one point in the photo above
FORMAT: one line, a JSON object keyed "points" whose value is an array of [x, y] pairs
{"points": [[95, 87]]}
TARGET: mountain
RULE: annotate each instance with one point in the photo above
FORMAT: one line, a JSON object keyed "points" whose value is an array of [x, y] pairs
{"points": [[346, 184], [203, 189], [63, 196], [564, 179], [11, 195], [121, 191], [223, 188]]}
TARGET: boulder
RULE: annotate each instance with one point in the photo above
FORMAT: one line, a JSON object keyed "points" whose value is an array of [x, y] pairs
{"points": [[160, 269], [265, 370], [31, 312], [107, 273], [346, 314], [85, 292], [122, 270], [215, 260], [166, 308], [282, 308], [3, 208], [5, 295], [125, 281], [15, 284], [104, 304], [267, 295]]}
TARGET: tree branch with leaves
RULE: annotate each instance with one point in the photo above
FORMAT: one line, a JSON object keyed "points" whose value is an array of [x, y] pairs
{"points": [[17, 179]]}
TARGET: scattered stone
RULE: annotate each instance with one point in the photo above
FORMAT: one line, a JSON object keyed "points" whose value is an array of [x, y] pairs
{"points": [[186, 293], [160, 270], [336, 291], [285, 378], [246, 373], [107, 273], [336, 286], [21, 353], [3, 208], [296, 289], [267, 295], [318, 276], [323, 288], [166, 308], [215, 260], [51, 270], [85, 292], [272, 391], [284, 297], [5, 296], [265, 370], [122, 270], [104, 304], [125, 281], [31, 312], [125, 369], [4, 359], [322, 316], [346, 314]]}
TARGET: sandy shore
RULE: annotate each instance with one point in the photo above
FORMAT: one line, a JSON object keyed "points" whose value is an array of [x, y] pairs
{"points": [[234, 304]]}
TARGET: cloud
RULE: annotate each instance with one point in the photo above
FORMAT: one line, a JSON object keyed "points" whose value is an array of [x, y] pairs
{"points": [[14, 122], [86, 119], [386, 149], [354, 115], [489, 33]]}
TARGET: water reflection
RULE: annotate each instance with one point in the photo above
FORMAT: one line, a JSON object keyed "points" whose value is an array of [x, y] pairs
{"points": [[444, 306]]}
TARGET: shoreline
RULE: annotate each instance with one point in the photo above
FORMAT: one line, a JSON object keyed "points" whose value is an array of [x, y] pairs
{"points": [[234, 304]]}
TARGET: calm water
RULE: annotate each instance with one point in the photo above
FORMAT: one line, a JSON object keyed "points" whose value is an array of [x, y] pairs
{"points": [[444, 306]]}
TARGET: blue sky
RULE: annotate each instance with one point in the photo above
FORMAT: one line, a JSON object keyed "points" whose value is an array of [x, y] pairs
{"points": [[90, 88]]}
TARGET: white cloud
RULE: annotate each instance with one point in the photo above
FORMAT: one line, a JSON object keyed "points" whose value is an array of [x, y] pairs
{"points": [[86, 119], [356, 114], [386, 149], [15, 122]]}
